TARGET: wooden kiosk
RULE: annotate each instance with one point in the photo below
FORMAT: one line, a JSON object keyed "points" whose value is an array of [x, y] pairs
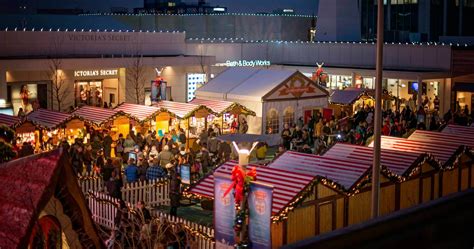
{"points": [[141, 116], [226, 112], [44, 124], [317, 194], [99, 118]]}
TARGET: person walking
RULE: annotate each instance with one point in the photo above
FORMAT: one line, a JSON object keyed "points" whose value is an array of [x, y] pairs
{"points": [[131, 172], [175, 194], [165, 156], [107, 145]]}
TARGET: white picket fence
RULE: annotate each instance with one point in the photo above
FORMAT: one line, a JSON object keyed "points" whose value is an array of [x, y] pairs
{"points": [[91, 182], [104, 209], [153, 193]]}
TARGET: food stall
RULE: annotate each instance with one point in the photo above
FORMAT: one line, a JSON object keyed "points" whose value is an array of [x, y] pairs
{"points": [[174, 115], [142, 117], [41, 125], [8, 120], [226, 112], [313, 194], [117, 122], [277, 97], [350, 100]]}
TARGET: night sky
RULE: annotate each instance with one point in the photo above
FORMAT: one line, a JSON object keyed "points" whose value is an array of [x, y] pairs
{"points": [[247, 6]]}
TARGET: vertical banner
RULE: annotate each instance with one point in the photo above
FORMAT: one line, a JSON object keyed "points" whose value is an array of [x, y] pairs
{"points": [[185, 174], [260, 212], [224, 212]]}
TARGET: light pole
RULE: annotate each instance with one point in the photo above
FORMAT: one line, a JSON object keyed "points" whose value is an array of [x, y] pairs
{"points": [[378, 112]]}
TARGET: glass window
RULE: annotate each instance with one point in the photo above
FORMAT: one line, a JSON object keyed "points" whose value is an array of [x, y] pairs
{"points": [[273, 122], [289, 116]]}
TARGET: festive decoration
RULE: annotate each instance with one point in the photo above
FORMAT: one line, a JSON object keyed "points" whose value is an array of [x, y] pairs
{"points": [[238, 181]]}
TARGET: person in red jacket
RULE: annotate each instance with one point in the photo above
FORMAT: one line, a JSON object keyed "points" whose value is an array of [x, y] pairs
{"points": [[386, 129]]}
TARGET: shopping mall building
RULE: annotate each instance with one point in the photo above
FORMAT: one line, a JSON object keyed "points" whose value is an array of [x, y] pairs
{"points": [[93, 67]]}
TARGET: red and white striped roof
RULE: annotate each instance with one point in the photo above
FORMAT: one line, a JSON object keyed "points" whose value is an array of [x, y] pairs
{"points": [[286, 184], [96, 115], [397, 162], [179, 109], [439, 137], [218, 106], [441, 151], [48, 119], [8, 120], [344, 172], [140, 112], [459, 130]]}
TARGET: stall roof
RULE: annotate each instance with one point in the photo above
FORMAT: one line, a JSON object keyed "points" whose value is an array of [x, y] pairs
{"points": [[440, 150], [97, 115], [27, 184], [182, 110], [346, 96], [440, 137], [140, 112], [8, 120], [222, 107], [243, 83], [47, 119], [398, 162], [459, 130], [345, 174], [287, 185]]}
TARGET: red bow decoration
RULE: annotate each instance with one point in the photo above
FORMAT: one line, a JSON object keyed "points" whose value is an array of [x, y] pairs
{"points": [[239, 179]]}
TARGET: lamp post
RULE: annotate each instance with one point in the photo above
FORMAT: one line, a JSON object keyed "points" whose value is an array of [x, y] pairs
{"points": [[378, 112]]}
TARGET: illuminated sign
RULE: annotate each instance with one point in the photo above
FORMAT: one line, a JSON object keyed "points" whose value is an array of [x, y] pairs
{"points": [[245, 63], [91, 73]]}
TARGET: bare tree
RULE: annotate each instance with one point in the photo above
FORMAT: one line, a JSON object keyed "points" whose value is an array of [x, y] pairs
{"points": [[58, 88], [135, 79]]}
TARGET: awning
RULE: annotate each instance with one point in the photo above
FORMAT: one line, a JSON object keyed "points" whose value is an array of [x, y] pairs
{"points": [[467, 131], [346, 97], [440, 137], [441, 151], [142, 113], [221, 107], [8, 120], [398, 162], [97, 115], [287, 185], [47, 119], [345, 175], [184, 110]]}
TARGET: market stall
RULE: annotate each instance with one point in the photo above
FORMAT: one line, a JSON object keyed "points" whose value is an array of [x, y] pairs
{"points": [[192, 118], [226, 112], [115, 121], [41, 125], [143, 117], [349, 100], [277, 97], [335, 188]]}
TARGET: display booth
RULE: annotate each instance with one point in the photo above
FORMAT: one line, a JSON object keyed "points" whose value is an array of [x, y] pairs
{"points": [[226, 112], [50, 210], [41, 125], [277, 97], [333, 190], [115, 121], [142, 117], [350, 100], [174, 115]]}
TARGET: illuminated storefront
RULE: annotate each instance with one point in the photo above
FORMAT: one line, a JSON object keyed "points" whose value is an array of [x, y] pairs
{"points": [[27, 95], [96, 87]]}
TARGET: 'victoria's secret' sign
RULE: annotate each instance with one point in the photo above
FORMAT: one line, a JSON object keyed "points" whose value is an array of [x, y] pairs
{"points": [[99, 37]]}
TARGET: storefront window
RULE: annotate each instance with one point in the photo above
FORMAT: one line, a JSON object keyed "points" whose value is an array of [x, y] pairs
{"points": [[368, 83], [88, 93], [289, 116], [272, 124], [27, 95], [339, 82]]}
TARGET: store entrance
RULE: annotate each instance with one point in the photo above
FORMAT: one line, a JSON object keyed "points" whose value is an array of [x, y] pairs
{"points": [[88, 93]]}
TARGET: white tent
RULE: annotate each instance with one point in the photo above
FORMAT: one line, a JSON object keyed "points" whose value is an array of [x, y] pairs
{"points": [[281, 92]]}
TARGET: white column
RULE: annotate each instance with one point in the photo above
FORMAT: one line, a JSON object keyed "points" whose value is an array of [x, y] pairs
{"points": [[3, 87]]}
